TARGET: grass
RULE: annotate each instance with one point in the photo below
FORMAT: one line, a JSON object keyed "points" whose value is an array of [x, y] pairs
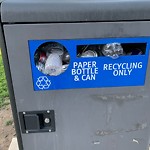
{"points": [[9, 122], [4, 100]]}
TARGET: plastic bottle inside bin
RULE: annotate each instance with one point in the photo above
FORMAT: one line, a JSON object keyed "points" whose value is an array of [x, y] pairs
{"points": [[89, 53], [53, 65], [112, 50]]}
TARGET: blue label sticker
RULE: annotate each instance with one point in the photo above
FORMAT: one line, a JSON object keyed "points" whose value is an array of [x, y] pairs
{"points": [[88, 63]]}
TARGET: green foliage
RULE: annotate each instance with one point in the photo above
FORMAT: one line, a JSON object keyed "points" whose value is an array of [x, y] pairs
{"points": [[3, 86], [9, 122]]}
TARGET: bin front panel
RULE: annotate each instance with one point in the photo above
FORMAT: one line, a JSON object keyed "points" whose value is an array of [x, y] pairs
{"points": [[112, 118]]}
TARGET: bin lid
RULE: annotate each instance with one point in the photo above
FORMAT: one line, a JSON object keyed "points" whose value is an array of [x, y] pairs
{"points": [[40, 11]]}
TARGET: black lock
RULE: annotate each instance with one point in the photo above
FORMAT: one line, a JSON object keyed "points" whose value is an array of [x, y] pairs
{"points": [[37, 121]]}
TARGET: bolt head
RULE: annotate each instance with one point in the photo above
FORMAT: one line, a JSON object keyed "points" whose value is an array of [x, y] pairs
{"points": [[47, 120], [48, 111], [27, 132]]}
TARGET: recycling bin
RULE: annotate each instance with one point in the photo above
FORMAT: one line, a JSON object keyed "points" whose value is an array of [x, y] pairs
{"points": [[78, 73]]}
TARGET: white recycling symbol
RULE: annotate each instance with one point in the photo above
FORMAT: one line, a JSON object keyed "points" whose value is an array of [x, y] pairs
{"points": [[43, 83]]}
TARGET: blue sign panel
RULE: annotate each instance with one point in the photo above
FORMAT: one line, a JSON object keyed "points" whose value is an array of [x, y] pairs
{"points": [[88, 63]]}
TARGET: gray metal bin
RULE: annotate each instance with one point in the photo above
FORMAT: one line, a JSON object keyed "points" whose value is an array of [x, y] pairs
{"points": [[78, 73]]}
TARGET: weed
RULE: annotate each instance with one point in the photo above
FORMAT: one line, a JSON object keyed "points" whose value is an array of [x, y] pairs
{"points": [[9, 122], [3, 86]]}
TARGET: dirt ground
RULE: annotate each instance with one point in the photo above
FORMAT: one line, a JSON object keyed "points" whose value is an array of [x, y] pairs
{"points": [[7, 131]]}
